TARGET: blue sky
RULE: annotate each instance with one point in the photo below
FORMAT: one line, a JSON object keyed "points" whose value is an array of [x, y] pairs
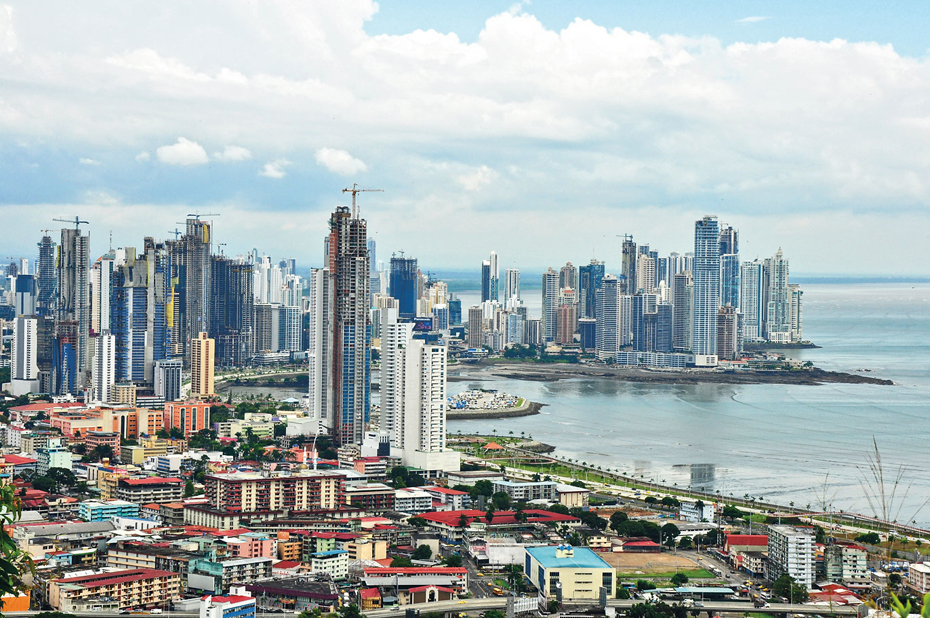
{"points": [[541, 131]]}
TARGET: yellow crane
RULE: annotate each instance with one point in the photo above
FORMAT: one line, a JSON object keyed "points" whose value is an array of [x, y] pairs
{"points": [[354, 191]]}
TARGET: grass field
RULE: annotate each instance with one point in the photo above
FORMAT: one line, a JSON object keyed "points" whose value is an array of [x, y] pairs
{"points": [[691, 574], [651, 565]]}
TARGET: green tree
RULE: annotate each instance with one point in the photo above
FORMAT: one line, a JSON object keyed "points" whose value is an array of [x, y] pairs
{"points": [[670, 532], [501, 500], [484, 488], [617, 518], [423, 552], [100, 452], [787, 588], [401, 561], [670, 502], [17, 565], [869, 538], [455, 560], [489, 515], [679, 579], [685, 542], [162, 434], [350, 611], [643, 584], [189, 488], [731, 512], [416, 522], [622, 593], [44, 483], [62, 476], [657, 610], [494, 613]]}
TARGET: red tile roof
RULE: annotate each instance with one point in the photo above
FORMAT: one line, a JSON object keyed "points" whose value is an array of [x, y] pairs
{"points": [[46, 406], [153, 480], [286, 564], [451, 518], [416, 571], [116, 577], [18, 459], [757, 540], [370, 593]]}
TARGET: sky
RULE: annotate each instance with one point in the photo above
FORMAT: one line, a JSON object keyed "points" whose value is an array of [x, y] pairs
{"points": [[541, 130]]}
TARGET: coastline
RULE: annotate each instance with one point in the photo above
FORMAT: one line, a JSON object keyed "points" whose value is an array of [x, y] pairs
{"points": [[527, 409], [551, 372]]}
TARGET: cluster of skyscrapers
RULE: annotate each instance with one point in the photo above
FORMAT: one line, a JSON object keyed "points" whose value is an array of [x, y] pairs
{"points": [[122, 327]]}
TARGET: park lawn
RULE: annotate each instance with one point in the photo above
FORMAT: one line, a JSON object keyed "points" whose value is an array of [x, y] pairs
{"points": [[689, 573], [500, 583]]}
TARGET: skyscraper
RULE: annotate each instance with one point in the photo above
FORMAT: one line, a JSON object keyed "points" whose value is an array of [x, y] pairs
{"points": [[47, 279], [567, 317], [568, 276], [485, 280], [752, 300], [727, 333], [512, 297], [778, 314], [73, 311], [706, 286], [349, 267], [645, 274], [729, 241], [589, 282], [168, 379], [24, 368], [404, 284], [628, 265], [729, 280], [682, 296], [374, 275], [320, 348], [202, 360], [664, 315], [103, 374], [607, 322], [797, 323], [191, 264], [495, 277], [550, 306], [101, 278], [231, 310], [475, 328]]}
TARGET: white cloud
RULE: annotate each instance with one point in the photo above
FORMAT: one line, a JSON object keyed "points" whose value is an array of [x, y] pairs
{"points": [[474, 181], [8, 40], [182, 152], [275, 169], [233, 154], [754, 19], [143, 156], [84, 161], [340, 162]]}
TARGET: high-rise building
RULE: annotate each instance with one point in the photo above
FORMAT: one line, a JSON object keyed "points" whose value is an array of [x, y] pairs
{"points": [[24, 366], [73, 310], [589, 282], [455, 310], [202, 359], [103, 374], [47, 278], [231, 310], [289, 329], [320, 348], [348, 264], [729, 280], [549, 323], [797, 323], [728, 347], [625, 318], [191, 271], [752, 300], [706, 298], [567, 317], [607, 322], [266, 320], [628, 265], [683, 292], [495, 277], [374, 275], [791, 551], [24, 295], [778, 313], [568, 276], [101, 278], [645, 274], [485, 280], [168, 379], [404, 284], [475, 328], [664, 317], [729, 241], [512, 297]]}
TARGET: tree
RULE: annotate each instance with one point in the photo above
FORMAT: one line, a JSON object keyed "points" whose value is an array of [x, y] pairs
{"points": [[651, 500], [463, 521], [189, 488], [501, 500], [642, 584], [416, 522], [423, 552], [17, 565], [494, 613], [679, 579], [62, 476], [617, 518], [101, 451], [401, 561], [484, 488], [894, 580], [44, 483], [869, 538], [489, 515], [670, 502], [622, 593], [350, 611], [685, 542], [657, 610], [787, 588], [670, 532], [455, 560], [731, 512], [162, 434]]}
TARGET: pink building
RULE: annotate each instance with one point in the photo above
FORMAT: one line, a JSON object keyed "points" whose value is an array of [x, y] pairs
{"points": [[251, 545]]}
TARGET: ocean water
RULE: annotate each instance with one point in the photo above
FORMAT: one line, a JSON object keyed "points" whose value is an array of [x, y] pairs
{"points": [[800, 444]]}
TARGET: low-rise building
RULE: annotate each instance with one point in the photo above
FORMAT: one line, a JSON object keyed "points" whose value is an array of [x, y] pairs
{"points": [[153, 489], [572, 496], [847, 564], [98, 510], [335, 562], [217, 577], [527, 490], [370, 496], [297, 593], [695, 510], [918, 578], [233, 606], [445, 499], [148, 588], [412, 500], [93, 439], [451, 525], [567, 573]]}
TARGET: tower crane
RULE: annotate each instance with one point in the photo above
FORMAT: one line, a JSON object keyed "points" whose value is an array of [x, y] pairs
{"points": [[197, 215], [77, 222], [354, 191]]}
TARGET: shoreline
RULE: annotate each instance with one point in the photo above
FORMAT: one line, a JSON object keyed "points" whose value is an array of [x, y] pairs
{"points": [[551, 372], [528, 408]]}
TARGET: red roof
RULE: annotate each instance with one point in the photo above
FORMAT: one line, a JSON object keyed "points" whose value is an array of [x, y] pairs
{"points": [[451, 518], [640, 544], [231, 599], [116, 577], [425, 588], [493, 446], [286, 564], [152, 480], [45, 406], [369, 593], [756, 540], [445, 490], [416, 571], [18, 459]]}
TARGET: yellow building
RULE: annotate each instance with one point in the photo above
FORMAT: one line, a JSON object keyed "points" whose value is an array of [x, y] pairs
{"points": [[366, 549], [124, 394], [569, 573], [202, 354], [108, 479]]}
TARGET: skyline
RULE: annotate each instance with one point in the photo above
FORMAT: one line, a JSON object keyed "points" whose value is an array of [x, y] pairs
{"points": [[800, 144]]}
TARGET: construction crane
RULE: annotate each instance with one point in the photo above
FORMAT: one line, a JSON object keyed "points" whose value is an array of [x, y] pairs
{"points": [[197, 215], [221, 245], [354, 191], [176, 233], [77, 221]]}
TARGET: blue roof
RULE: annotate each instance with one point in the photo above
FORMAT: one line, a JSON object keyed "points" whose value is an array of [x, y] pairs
{"points": [[705, 590], [583, 558]]}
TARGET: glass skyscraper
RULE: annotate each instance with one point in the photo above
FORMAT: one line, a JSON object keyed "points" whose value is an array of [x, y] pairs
{"points": [[706, 298]]}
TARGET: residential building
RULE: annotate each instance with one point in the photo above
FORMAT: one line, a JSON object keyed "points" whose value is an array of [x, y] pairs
{"points": [[404, 284], [752, 300], [730, 272], [590, 277], [202, 360], [847, 564], [412, 500], [791, 551], [695, 510], [188, 416], [370, 496], [24, 367], [217, 577], [145, 588], [103, 372], [334, 562], [232, 606], [475, 327], [706, 298], [72, 313], [607, 326], [98, 510], [303, 491], [728, 342], [528, 490], [512, 298], [52, 456], [151, 490], [682, 297], [450, 499], [168, 379], [231, 311], [566, 573], [93, 439], [918, 577], [549, 322]]}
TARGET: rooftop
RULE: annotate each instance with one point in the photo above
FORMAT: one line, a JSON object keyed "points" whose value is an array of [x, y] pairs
{"points": [[152, 480], [582, 558], [748, 539], [452, 518]]}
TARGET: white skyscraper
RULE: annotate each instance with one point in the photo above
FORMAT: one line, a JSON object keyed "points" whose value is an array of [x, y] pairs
{"points": [[24, 369], [103, 371], [495, 277], [320, 348], [607, 324], [778, 311], [413, 398], [550, 306], [706, 299], [752, 299], [511, 289], [101, 275]]}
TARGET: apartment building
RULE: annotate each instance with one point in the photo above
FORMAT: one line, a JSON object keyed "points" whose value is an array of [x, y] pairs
{"points": [[248, 492], [98, 510], [151, 490], [148, 588], [791, 551]]}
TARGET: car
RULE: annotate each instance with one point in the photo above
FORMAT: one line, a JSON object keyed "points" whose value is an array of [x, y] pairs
{"points": [[124, 611]]}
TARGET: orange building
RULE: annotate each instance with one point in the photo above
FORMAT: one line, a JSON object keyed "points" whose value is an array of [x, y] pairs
{"points": [[129, 423], [188, 416], [18, 603]]}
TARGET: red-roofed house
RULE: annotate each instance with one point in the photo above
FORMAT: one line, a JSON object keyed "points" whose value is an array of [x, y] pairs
{"points": [[232, 605], [746, 542], [429, 594], [638, 545], [449, 523], [153, 489], [445, 499], [147, 588], [371, 598], [288, 568]]}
